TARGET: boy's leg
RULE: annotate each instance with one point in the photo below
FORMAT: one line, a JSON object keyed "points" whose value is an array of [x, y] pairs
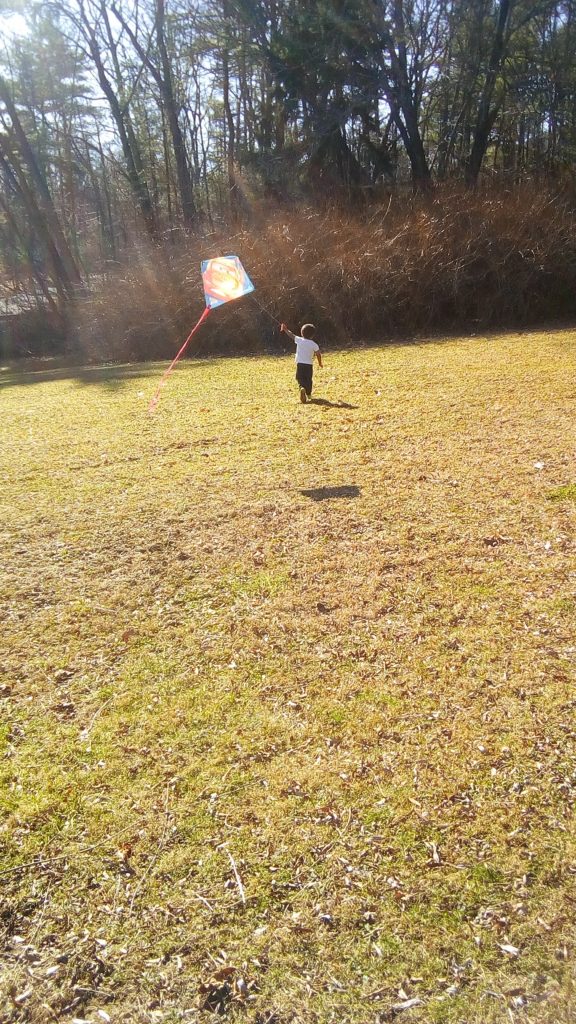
{"points": [[304, 377]]}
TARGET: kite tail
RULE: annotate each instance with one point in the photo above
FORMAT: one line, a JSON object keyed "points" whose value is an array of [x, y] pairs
{"points": [[181, 351]]}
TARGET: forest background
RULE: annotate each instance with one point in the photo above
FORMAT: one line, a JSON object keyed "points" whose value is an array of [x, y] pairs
{"points": [[382, 167]]}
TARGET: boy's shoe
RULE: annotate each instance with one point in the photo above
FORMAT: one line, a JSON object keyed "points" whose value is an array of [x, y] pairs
{"points": [[303, 396]]}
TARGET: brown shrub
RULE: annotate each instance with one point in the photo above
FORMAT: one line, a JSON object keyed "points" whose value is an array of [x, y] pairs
{"points": [[452, 261], [31, 332]]}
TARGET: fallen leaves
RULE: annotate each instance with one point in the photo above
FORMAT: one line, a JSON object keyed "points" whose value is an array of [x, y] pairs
{"points": [[406, 1004], [435, 858], [509, 949], [226, 985]]}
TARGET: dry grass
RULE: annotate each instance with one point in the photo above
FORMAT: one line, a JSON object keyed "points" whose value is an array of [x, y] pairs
{"points": [[288, 691]]}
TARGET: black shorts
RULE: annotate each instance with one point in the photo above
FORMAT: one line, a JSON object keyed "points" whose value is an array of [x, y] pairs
{"points": [[304, 376]]}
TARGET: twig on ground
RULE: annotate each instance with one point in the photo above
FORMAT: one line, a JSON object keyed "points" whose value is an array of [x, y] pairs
{"points": [[237, 877], [159, 848], [86, 732]]}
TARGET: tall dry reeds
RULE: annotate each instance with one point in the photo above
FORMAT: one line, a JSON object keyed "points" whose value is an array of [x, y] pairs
{"points": [[453, 261]]}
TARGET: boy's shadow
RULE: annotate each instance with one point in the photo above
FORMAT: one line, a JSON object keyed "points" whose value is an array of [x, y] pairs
{"points": [[331, 405], [323, 493]]}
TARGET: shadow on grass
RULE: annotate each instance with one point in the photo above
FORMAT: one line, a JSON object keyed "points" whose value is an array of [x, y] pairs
{"points": [[331, 405], [111, 377], [324, 493]]}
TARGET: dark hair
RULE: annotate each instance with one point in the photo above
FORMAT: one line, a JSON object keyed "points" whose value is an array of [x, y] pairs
{"points": [[307, 330]]}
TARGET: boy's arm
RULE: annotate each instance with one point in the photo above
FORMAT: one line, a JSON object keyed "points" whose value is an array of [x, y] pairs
{"points": [[319, 357], [285, 330]]}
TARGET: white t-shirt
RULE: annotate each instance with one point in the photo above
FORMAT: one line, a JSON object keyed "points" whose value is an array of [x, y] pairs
{"points": [[305, 349]]}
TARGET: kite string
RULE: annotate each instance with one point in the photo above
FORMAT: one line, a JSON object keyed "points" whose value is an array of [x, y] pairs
{"points": [[180, 352], [267, 311]]}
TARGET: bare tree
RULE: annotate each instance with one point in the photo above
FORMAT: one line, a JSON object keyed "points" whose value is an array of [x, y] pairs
{"points": [[161, 71], [37, 196]]}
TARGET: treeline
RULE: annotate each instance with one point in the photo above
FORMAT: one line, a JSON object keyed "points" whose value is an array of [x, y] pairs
{"points": [[136, 126]]}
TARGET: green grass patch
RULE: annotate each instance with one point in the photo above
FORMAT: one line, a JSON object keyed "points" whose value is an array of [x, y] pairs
{"points": [[567, 492]]}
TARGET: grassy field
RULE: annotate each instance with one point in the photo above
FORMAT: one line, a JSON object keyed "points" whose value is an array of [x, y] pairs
{"points": [[287, 691]]}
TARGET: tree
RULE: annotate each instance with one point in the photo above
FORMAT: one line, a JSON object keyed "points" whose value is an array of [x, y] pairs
{"points": [[36, 194], [404, 27], [161, 71]]}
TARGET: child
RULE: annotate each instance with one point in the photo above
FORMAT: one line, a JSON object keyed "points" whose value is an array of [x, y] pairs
{"points": [[306, 349]]}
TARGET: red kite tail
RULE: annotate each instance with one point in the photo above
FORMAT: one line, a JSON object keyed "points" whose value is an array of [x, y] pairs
{"points": [[179, 354]]}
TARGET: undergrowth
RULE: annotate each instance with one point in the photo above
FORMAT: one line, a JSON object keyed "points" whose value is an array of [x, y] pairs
{"points": [[452, 261]]}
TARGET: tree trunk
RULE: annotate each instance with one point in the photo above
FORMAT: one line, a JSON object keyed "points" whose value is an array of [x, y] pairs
{"points": [[402, 102], [70, 270], [164, 80], [11, 164], [231, 137], [134, 165], [487, 113], [121, 117], [166, 86], [32, 269]]}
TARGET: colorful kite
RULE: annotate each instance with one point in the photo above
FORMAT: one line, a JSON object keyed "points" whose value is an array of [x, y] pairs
{"points": [[224, 279]]}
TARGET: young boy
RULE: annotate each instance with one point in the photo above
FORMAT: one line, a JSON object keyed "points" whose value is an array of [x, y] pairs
{"points": [[306, 349]]}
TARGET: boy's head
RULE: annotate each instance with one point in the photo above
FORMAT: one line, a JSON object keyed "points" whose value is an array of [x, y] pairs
{"points": [[307, 331]]}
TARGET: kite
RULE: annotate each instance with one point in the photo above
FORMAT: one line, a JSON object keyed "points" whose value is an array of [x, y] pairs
{"points": [[224, 279]]}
